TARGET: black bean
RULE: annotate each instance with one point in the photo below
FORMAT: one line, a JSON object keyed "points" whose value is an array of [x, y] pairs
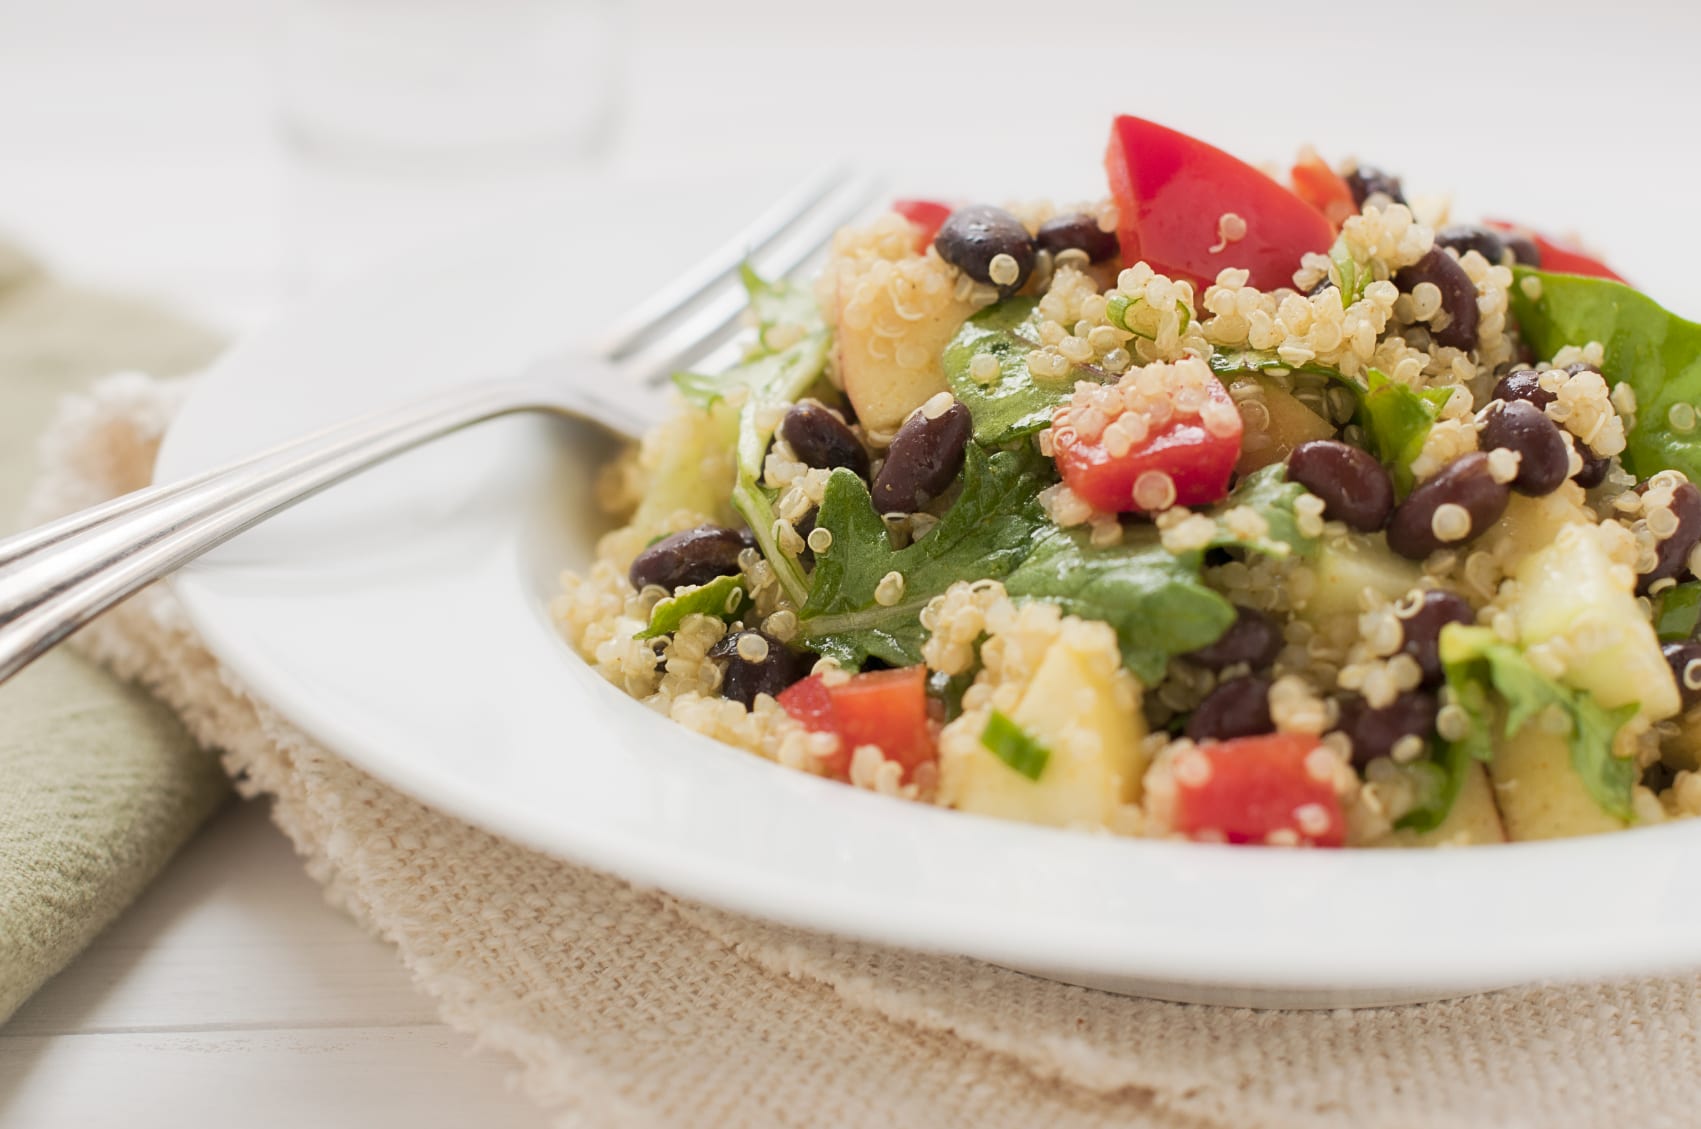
{"points": [[743, 678], [1544, 461], [1465, 482], [1594, 469], [820, 438], [1523, 384], [923, 460], [1375, 732], [1253, 638], [974, 236], [1458, 296], [805, 525], [1322, 284], [1354, 487], [1420, 630], [1576, 367], [1679, 656], [1523, 248], [1239, 707], [693, 557], [1367, 180], [1462, 237], [1077, 231], [1672, 555]]}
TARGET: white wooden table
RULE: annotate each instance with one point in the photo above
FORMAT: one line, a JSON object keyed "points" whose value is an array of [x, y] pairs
{"points": [[135, 149]]}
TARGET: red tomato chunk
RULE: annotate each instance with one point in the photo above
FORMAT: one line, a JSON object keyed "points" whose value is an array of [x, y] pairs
{"points": [[1259, 790], [1560, 257], [927, 216], [1172, 193], [1198, 462], [887, 708]]}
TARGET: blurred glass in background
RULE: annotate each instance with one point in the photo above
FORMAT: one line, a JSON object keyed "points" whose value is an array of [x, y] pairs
{"points": [[406, 119]]}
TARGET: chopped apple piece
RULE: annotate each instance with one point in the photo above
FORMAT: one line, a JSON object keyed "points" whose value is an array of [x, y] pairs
{"points": [[1086, 712]]}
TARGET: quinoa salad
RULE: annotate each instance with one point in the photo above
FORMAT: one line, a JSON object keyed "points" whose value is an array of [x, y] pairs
{"points": [[1234, 506]]}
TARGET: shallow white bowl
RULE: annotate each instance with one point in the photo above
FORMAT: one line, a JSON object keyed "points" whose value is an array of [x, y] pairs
{"points": [[401, 620]]}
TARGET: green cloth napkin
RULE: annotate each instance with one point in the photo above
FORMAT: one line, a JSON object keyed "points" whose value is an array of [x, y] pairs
{"points": [[99, 784]]}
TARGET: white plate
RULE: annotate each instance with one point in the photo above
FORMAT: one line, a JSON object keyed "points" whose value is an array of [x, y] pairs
{"points": [[401, 620]]}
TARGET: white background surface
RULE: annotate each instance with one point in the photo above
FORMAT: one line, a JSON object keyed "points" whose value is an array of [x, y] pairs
{"points": [[136, 148]]}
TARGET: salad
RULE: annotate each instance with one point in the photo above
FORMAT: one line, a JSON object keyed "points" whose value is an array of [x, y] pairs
{"points": [[1223, 507]]}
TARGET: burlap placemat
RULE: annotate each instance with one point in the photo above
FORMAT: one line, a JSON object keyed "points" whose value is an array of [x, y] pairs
{"points": [[626, 1007]]}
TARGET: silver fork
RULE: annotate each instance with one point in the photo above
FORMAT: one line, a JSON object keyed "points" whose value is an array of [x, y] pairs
{"points": [[58, 576]]}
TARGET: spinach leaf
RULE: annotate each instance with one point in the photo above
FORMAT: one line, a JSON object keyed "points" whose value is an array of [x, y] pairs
{"points": [[1011, 744], [1477, 663], [1268, 493], [985, 534], [1677, 611], [1655, 352], [1013, 405], [1154, 599], [1396, 421], [723, 597]]}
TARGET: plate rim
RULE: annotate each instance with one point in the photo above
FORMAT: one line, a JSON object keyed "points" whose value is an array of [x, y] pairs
{"points": [[1616, 944]]}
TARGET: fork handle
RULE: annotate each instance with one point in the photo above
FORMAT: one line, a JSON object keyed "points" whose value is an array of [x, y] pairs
{"points": [[53, 584]]}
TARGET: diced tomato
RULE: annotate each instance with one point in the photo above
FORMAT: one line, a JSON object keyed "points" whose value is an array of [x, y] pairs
{"points": [[809, 702], [1250, 788], [1322, 187], [1171, 190], [1197, 461], [887, 708], [928, 216], [1561, 257]]}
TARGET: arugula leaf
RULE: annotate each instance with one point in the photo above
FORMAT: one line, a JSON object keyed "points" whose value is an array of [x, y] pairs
{"points": [[766, 379], [1011, 744], [1012, 406], [1154, 599], [1477, 663], [1656, 352], [1268, 493], [985, 534], [724, 597], [1396, 420], [1677, 611], [777, 306]]}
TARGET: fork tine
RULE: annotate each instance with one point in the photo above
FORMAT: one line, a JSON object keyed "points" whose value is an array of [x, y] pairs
{"points": [[720, 266], [706, 329]]}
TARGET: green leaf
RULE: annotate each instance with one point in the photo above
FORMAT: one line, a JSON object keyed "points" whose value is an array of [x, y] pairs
{"points": [[1656, 352], [985, 534], [1677, 610], [1396, 421], [723, 597], [950, 688], [1478, 665], [1268, 493], [766, 380], [1011, 744], [1154, 599], [1014, 405], [786, 316]]}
